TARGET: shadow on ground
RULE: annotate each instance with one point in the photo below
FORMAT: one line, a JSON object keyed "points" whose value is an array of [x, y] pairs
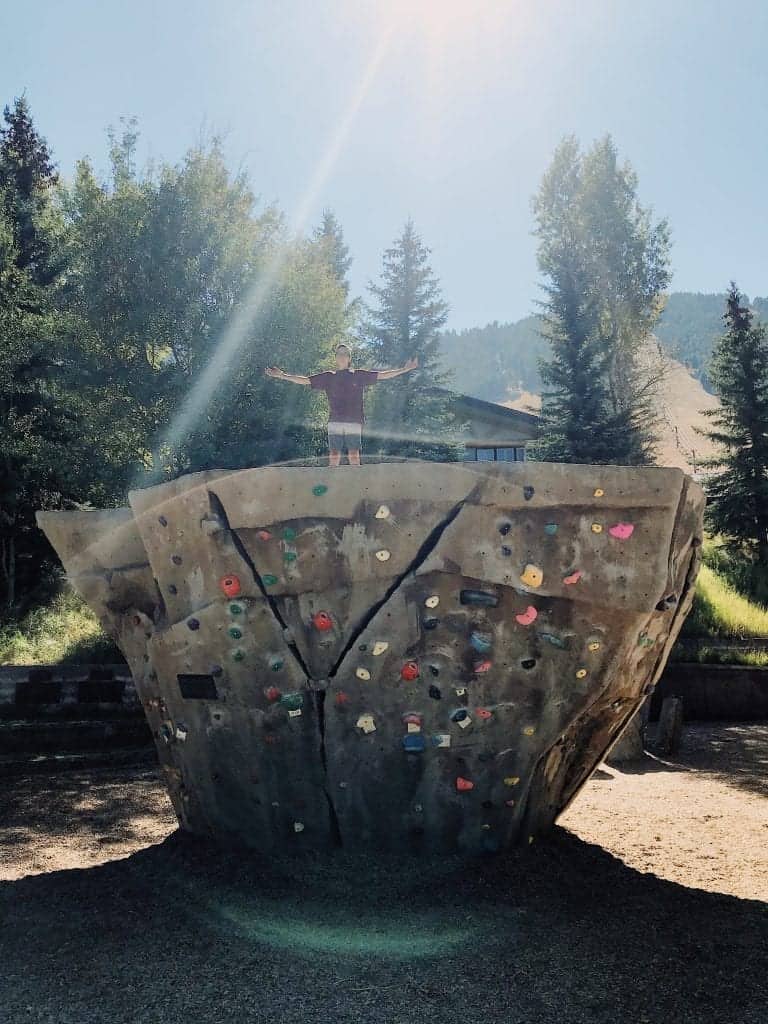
{"points": [[559, 932]]}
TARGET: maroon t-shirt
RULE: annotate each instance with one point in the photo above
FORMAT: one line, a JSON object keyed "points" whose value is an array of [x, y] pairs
{"points": [[345, 392]]}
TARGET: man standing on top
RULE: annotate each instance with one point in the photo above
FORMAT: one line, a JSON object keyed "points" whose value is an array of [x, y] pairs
{"points": [[344, 388]]}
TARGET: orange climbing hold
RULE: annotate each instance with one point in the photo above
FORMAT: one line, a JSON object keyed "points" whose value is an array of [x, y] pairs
{"points": [[409, 671], [230, 586], [322, 621]]}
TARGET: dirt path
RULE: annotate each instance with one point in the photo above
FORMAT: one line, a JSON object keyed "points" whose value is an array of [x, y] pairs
{"points": [[562, 932]]}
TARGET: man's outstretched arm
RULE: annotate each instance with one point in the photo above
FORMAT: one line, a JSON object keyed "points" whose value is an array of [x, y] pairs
{"points": [[389, 374], [278, 374]]}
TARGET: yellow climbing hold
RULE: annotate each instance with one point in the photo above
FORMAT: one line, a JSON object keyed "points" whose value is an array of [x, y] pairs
{"points": [[529, 730], [362, 673], [580, 673], [382, 512], [598, 492], [593, 645], [379, 647], [532, 576], [433, 601], [597, 527], [511, 780], [383, 555]]}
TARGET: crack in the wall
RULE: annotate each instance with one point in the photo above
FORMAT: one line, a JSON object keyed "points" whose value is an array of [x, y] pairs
{"points": [[218, 508], [320, 696], [426, 548]]}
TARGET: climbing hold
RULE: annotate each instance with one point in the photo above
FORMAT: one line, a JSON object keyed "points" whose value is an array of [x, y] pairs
{"points": [[528, 663], [430, 622], [432, 601], [292, 701], [379, 647], [289, 556], [478, 597], [441, 739], [509, 803], [480, 667], [264, 535], [482, 642], [594, 645], [238, 654], [383, 555], [621, 530], [528, 616], [598, 492], [464, 785], [268, 579], [181, 732], [275, 664], [435, 693], [666, 603], [362, 673], [235, 633], [366, 723], [362, 647], [505, 528], [414, 743], [341, 698], [483, 713], [322, 621], [294, 712], [550, 528], [289, 533], [532, 576], [409, 671], [529, 730], [461, 691], [528, 492], [230, 586], [193, 623], [530, 840], [554, 640], [597, 527], [644, 640], [176, 559], [511, 780], [580, 673], [273, 693], [319, 490], [572, 577], [236, 608], [462, 718], [506, 551], [162, 520], [298, 826], [172, 588], [382, 512], [412, 721], [434, 669]]}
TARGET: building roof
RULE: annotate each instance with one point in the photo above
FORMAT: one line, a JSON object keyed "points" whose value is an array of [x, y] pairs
{"points": [[515, 417]]}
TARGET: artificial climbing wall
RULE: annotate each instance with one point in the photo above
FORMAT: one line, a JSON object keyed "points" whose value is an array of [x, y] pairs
{"points": [[413, 656]]}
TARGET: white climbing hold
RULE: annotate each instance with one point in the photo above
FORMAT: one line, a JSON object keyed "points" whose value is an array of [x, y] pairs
{"points": [[298, 826], [382, 512], [433, 601], [294, 713], [379, 647], [362, 673], [383, 555], [366, 723]]}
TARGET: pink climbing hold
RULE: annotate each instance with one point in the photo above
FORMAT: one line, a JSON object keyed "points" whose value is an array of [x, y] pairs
{"points": [[483, 713], [622, 530], [264, 535], [573, 577], [481, 666], [464, 785], [528, 616], [273, 693]]}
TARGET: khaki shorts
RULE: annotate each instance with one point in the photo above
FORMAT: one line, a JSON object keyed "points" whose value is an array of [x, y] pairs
{"points": [[344, 435]]}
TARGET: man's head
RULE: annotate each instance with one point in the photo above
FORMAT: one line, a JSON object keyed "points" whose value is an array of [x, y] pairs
{"points": [[343, 357]]}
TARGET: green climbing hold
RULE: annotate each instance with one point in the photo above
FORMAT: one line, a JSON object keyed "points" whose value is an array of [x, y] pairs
{"points": [[289, 533], [289, 556], [292, 701], [276, 664], [238, 654], [235, 633], [268, 579], [319, 490], [236, 608]]}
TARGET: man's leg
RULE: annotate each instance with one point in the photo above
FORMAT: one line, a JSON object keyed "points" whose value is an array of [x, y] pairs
{"points": [[354, 456], [334, 457], [335, 444], [354, 443]]}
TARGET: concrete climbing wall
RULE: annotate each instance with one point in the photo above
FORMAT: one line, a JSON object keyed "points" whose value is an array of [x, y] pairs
{"points": [[408, 655]]}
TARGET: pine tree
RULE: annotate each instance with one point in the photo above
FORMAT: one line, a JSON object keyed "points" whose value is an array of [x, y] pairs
{"points": [[737, 505], [331, 238], [606, 266], [407, 415]]}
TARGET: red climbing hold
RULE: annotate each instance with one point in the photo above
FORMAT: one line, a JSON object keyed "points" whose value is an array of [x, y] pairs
{"points": [[341, 698], [273, 693], [573, 577], [409, 671], [464, 785], [230, 586], [322, 621]]}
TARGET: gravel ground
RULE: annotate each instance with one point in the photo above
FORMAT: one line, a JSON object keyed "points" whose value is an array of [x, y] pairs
{"points": [[644, 906]]}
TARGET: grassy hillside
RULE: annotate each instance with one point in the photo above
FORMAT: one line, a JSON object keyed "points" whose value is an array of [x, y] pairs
{"points": [[63, 632]]}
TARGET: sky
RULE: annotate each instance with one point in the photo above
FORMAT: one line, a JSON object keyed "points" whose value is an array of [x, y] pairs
{"points": [[447, 112]]}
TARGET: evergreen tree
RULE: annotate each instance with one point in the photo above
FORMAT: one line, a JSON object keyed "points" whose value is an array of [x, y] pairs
{"points": [[606, 266], [330, 237], [737, 505], [38, 411], [408, 415]]}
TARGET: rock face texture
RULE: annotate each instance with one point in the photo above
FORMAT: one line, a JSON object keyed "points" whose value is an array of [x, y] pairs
{"points": [[419, 656]]}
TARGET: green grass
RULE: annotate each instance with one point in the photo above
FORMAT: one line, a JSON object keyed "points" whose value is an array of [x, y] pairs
{"points": [[721, 612], [64, 631]]}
